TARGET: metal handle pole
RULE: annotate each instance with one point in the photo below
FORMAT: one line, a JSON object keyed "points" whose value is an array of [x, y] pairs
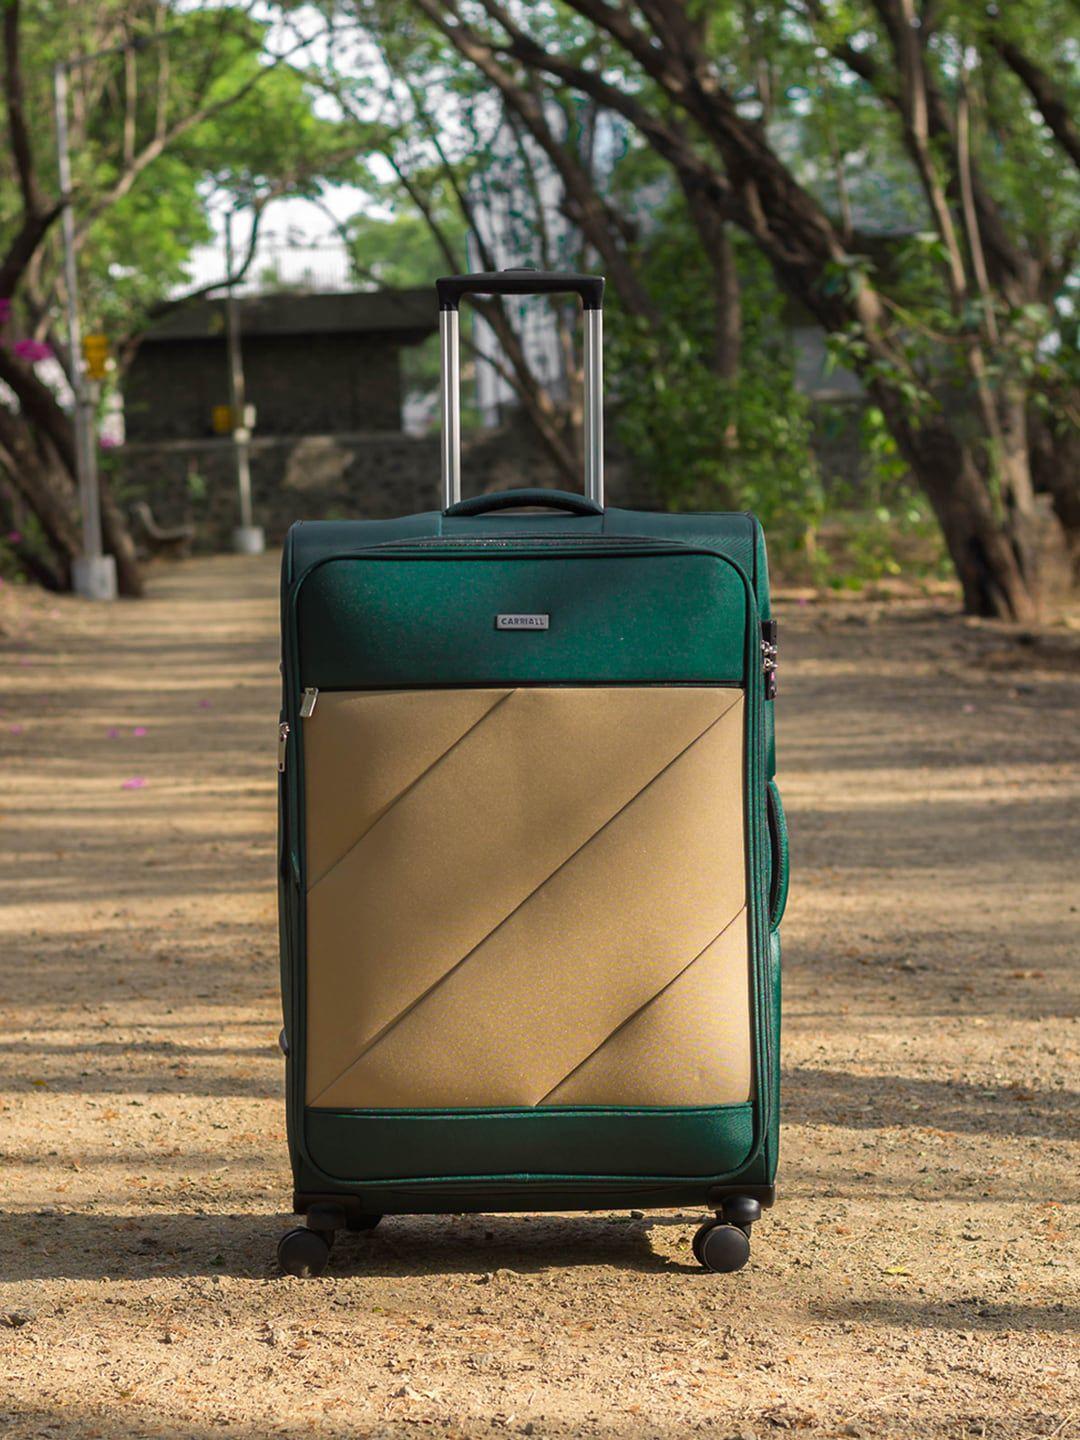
{"points": [[594, 406], [449, 337], [451, 407]]}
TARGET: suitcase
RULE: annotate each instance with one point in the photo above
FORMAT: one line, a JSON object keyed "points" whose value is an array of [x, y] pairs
{"points": [[532, 858]]}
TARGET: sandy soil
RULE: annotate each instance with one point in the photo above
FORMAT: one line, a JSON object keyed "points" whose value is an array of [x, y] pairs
{"points": [[918, 1278]]}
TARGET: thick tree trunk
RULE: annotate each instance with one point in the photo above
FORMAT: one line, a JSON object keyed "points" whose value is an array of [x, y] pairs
{"points": [[1055, 466], [43, 484], [986, 547], [117, 539], [14, 516], [41, 450]]}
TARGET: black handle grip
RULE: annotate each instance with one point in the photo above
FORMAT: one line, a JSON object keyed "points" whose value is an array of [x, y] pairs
{"points": [[514, 499], [450, 288]]}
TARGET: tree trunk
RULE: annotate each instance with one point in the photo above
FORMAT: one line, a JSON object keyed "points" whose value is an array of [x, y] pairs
{"points": [[1055, 466], [14, 513], [728, 340], [985, 547], [41, 454], [42, 484], [117, 540], [36, 474]]}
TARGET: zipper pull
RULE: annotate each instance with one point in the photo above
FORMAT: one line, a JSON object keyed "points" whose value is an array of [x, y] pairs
{"points": [[307, 703], [768, 657], [282, 745]]}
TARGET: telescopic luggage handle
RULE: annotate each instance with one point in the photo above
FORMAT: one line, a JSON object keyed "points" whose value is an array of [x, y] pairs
{"points": [[450, 289]]}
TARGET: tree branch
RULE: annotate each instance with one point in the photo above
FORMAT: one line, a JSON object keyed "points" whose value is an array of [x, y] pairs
{"points": [[590, 213], [1049, 102], [1009, 266], [160, 142], [38, 404], [18, 129]]}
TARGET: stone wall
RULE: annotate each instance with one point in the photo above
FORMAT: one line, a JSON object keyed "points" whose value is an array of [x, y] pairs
{"points": [[327, 477]]}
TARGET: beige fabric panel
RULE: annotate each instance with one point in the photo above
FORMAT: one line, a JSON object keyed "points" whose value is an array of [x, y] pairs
{"points": [[366, 750], [465, 844], [568, 856], [691, 1040]]}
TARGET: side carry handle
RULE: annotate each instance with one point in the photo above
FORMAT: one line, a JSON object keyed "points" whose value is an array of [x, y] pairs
{"points": [[450, 289]]}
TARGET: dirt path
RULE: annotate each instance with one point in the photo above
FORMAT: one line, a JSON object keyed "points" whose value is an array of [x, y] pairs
{"points": [[919, 1277]]}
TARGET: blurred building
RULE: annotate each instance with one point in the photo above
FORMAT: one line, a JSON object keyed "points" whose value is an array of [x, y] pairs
{"points": [[314, 364]]}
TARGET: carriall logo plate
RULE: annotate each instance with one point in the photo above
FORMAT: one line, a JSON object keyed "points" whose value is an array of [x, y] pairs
{"points": [[522, 622]]}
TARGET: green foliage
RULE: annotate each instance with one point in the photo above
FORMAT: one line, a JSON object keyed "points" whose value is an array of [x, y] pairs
{"points": [[259, 131], [399, 249], [701, 440]]}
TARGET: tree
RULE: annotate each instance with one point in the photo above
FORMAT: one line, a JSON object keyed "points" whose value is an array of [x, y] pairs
{"points": [[203, 98], [954, 328], [560, 181]]}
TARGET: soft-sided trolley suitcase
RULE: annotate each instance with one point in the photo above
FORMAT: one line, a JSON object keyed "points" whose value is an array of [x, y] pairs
{"points": [[532, 858]]}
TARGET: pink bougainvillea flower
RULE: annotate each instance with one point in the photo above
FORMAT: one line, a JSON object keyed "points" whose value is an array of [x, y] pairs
{"points": [[16, 729], [139, 731], [108, 442], [137, 782], [112, 733], [14, 537], [32, 350], [204, 704]]}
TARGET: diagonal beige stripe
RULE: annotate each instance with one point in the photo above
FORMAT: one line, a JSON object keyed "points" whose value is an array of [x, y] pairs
{"points": [[405, 789], [483, 830], [594, 941], [506, 919], [689, 1045], [613, 1036]]}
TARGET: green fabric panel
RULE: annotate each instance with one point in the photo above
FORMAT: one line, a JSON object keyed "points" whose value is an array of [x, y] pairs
{"points": [[513, 1196], [771, 1149], [414, 622], [637, 1145], [735, 534]]}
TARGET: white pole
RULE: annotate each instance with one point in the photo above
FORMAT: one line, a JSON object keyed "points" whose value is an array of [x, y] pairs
{"points": [[248, 538], [93, 573]]}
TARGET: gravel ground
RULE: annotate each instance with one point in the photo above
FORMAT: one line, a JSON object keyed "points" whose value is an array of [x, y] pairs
{"points": [[919, 1275]]}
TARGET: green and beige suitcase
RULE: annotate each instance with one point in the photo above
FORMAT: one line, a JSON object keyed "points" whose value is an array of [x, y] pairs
{"points": [[532, 858]]}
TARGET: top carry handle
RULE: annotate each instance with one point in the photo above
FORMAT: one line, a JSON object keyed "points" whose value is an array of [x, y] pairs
{"points": [[450, 289]]}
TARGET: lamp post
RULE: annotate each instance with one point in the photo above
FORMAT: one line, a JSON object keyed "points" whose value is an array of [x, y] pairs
{"points": [[93, 572]]}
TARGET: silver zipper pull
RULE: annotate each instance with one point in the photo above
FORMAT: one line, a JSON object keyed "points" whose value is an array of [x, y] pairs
{"points": [[307, 703], [282, 746]]}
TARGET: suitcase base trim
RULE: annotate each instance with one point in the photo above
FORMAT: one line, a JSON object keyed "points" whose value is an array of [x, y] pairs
{"points": [[527, 1197], [629, 1146]]}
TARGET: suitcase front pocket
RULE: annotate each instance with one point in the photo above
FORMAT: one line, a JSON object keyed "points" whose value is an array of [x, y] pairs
{"points": [[526, 897]]}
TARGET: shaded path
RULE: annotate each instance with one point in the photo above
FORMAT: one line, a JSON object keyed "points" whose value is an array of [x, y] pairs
{"points": [[915, 1279]]}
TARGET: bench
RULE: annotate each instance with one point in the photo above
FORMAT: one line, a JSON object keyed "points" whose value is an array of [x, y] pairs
{"points": [[155, 539]]}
